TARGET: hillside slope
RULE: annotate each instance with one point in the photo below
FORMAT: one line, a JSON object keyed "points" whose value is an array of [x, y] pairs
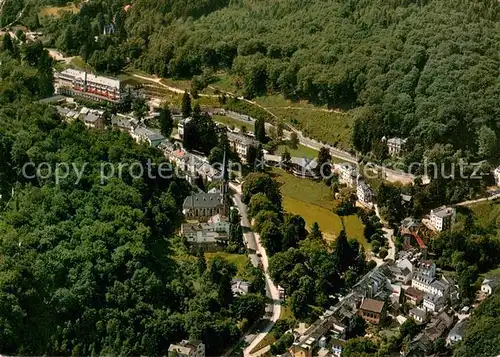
{"points": [[422, 69]]}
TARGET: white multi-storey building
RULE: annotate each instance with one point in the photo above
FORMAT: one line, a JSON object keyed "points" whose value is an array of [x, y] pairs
{"points": [[442, 218], [75, 82], [364, 193], [241, 144], [496, 174], [214, 231], [433, 303], [430, 285], [348, 175], [396, 146]]}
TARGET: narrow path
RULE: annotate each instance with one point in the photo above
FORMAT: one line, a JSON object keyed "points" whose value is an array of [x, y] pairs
{"points": [[158, 81], [471, 202]]}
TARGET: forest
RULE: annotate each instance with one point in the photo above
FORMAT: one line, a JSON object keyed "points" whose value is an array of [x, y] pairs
{"points": [[90, 268], [427, 69]]}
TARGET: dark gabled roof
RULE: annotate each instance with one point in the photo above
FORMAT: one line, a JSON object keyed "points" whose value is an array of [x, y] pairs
{"points": [[372, 305], [418, 312], [91, 118], [203, 200], [411, 291]]}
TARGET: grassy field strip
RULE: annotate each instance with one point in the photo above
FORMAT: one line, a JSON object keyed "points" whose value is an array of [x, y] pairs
{"points": [[58, 11], [313, 201]]}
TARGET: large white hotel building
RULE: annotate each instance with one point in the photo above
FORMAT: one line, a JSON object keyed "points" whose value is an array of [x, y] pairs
{"points": [[75, 82]]}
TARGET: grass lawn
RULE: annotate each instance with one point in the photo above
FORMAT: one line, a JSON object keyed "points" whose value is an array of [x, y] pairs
{"points": [[239, 260], [301, 151], [228, 121], [224, 82], [486, 214], [325, 126], [58, 11], [128, 78], [313, 201], [78, 63]]}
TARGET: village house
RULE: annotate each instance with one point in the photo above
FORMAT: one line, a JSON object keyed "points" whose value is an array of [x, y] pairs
{"points": [[182, 125], [423, 343], [372, 311], [414, 296], [124, 123], [303, 168], [93, 119], [348, 175], [365, 193], [179, 158], [489, 285], [457, 332], [442, 218], [409, 225], [141, 134], [418, 315], [422, 283], [241, 144], [401, 274], [187, 348], [396, 146], [202, 206], [431, 285], [496, 175], [433, 303], [240, 287], [426, 268], [440, 288], [215, 230], [314, 339]]}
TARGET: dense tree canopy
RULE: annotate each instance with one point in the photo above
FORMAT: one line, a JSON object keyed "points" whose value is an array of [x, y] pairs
{"points": [[482, 335], [426, 70], [88, 264]]}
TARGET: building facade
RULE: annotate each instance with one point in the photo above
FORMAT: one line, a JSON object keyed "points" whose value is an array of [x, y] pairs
{"points": [[187, 348], [215, 230], [348, 175], [433, 303], [141, 134], [202, 206], [442, 218], [489, 285], [396, 146], [364, 193], [414, 296], [241, 144], [74, 82], [371, 310], [418, 315]]}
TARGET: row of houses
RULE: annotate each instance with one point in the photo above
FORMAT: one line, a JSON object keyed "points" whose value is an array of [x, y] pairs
{"points": [[440, 219], [94, 118], [410, 279], [240, 143]]}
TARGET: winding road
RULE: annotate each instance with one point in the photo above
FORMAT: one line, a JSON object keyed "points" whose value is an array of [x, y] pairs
{"points": [[252, 241]]}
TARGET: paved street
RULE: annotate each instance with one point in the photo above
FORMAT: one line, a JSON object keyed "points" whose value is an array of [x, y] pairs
{"points": [[253, 243]]}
